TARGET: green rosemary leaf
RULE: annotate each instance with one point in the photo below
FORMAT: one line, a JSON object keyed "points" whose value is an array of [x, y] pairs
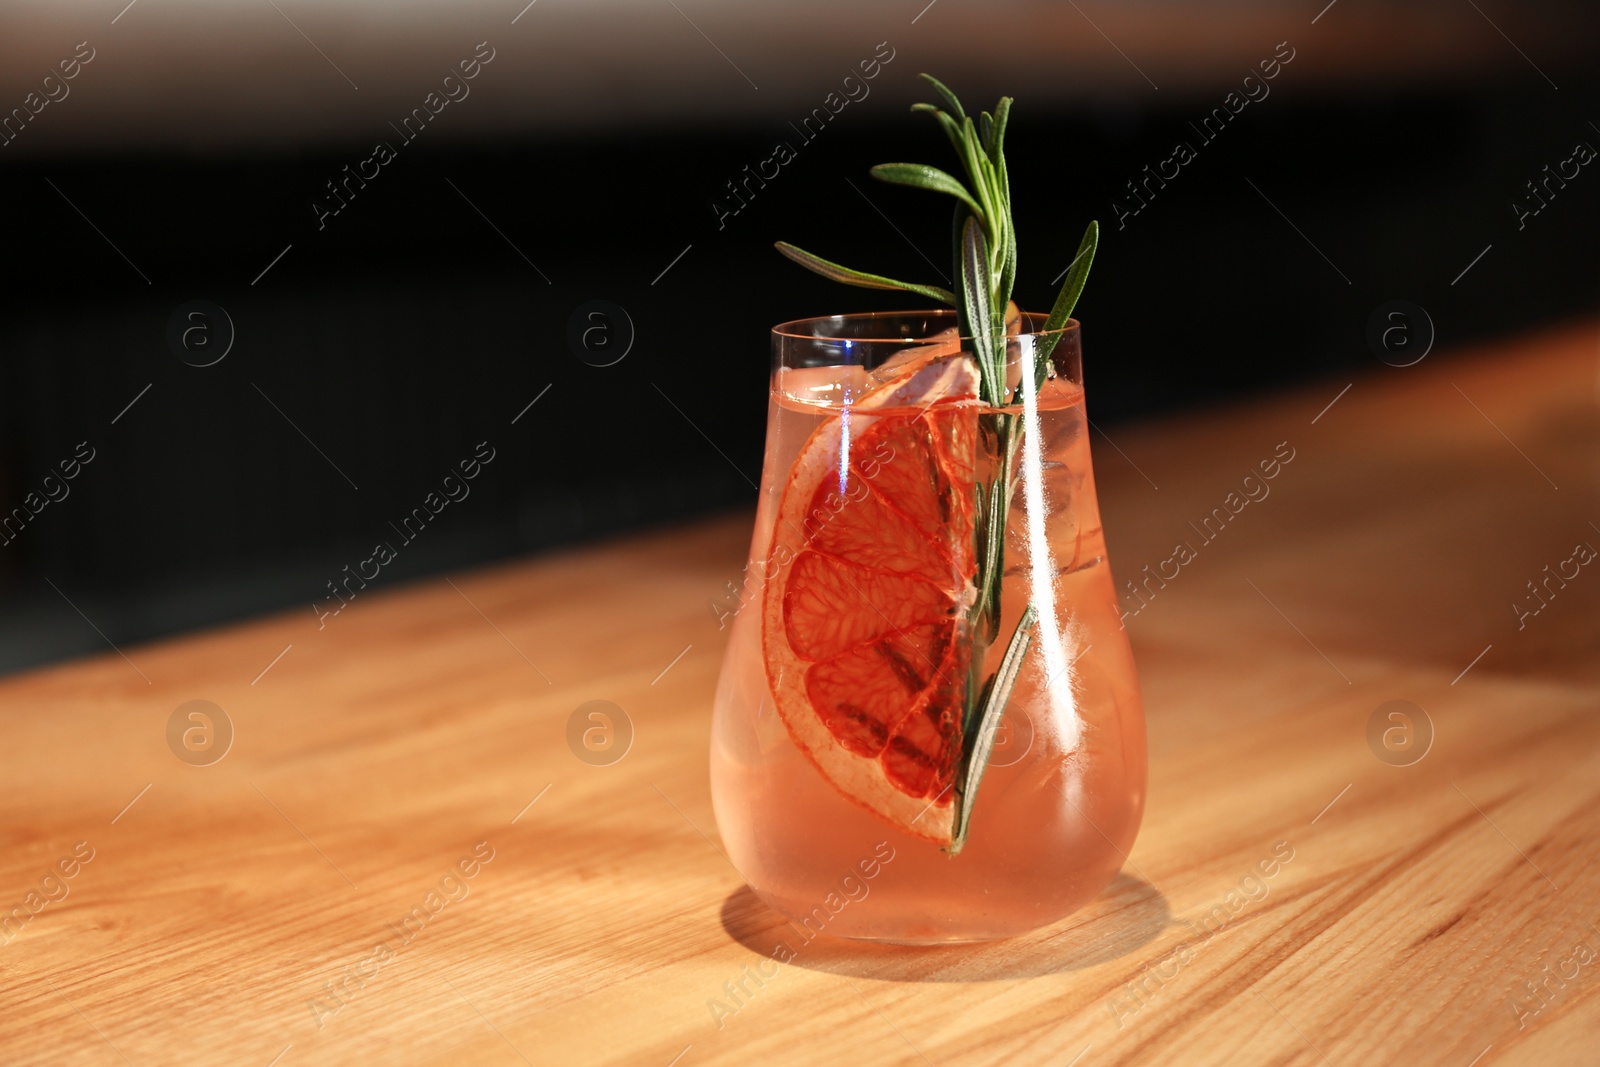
{"points": [[999, 214], [974, 162], [998, 155], [997, 140], [1077, 274], [1067, 299], [986, 128], [922, 176], [981, 617], [1008, 271], [949, 97], [975, 293], [1005, 184], [980, 740], [835, 272]]}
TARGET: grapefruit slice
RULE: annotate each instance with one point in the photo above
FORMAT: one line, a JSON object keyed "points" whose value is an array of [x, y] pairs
{"points": [[864, 631]]}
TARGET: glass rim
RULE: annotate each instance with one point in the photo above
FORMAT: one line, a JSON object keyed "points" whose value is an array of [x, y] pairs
{"points": [[791, 330]]}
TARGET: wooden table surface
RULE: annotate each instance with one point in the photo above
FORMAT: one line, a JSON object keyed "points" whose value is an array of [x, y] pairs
{"points": [[230, 913]]}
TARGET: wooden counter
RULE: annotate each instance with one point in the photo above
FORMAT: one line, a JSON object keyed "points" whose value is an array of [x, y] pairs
{"points": [[229, 912]]}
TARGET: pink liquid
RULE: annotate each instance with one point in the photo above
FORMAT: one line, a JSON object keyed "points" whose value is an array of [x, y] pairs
{"points": [[1061, 800]]}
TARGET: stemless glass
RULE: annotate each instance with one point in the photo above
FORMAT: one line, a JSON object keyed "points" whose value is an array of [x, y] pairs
{"points": [[818, 769]]}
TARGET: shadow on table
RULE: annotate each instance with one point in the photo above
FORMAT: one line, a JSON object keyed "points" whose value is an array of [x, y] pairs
{"points": [[1128, 915]]}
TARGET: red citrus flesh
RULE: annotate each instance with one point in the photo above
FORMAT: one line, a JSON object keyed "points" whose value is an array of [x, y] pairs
{"points": [[864, 629]]}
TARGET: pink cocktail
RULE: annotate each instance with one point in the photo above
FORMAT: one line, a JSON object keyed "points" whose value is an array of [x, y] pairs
{"points": [[928, 727]]}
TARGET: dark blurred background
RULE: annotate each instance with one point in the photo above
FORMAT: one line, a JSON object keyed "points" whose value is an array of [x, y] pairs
{"points": [[373, 352]]}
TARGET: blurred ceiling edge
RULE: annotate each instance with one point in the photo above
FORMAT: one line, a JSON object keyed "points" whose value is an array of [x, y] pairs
{"points": [[252, 76]]}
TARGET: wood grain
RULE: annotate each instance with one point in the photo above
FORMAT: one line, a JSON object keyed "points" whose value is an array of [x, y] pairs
{"points": [[379, 752]]}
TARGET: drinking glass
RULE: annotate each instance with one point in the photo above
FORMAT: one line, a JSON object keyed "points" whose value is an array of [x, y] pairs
{"points": [[880, 610]]}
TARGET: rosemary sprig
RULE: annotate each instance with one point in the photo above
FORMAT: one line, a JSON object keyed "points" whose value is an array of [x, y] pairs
{"points": [[984, 253], [979, 737]]}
